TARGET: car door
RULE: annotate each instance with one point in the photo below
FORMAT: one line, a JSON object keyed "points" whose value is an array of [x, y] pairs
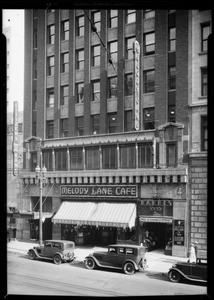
{"points": [[198, 271], [111, 257], [48, 249]]}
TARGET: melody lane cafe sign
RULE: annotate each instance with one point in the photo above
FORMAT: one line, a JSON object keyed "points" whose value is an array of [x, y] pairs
{"points": [[124, 191]]}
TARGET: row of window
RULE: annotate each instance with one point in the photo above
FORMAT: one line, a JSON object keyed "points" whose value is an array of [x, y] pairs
{"points": [[112, 123], [10, 128], [105, 157]]}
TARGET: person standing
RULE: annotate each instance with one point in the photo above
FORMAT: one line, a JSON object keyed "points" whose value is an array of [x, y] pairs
{"points": [[192, 256], [14, 232]]}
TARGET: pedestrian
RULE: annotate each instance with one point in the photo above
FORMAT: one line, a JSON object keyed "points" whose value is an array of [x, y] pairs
{"points": [[14, 232], [8, 235], [192, 255]]}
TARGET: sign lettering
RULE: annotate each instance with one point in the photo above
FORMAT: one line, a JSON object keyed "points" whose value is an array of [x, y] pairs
{"points": [[136, 85], [125, 191]]}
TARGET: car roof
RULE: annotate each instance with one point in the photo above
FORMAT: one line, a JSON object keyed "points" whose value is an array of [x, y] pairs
{"points": [[126, 245], [60, 241]]}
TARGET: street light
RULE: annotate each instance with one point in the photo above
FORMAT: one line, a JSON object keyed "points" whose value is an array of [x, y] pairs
{"points": [[40, 175]]}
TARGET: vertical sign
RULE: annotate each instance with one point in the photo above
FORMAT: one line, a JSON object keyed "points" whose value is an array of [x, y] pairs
{"points": [[179, 232], [15, 146], [136, 85]]}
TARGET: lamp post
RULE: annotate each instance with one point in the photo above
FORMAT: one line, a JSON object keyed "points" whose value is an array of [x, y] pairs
{"points": [[40, 175]]}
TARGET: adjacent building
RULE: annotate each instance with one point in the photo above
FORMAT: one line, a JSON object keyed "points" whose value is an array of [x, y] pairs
{"points": [[109, 110]]}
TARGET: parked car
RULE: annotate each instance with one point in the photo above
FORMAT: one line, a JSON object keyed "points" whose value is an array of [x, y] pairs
{"points": [[190, 271], [128, 258], [56, 250]]}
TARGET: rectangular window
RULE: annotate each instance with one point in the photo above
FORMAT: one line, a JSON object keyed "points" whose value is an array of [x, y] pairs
{"points": [[34, 100], [34, 129], [33, 161], [109, 157], [171, 113], [149, 118], [172, 77], [171, 155], [128, 120], [80, 24], [149, 13], [47, 159], [35, 39], [50, 129], [92, 158], [204, 82], [63, 127], [149, 81], [76, 158], [113, 18], [205, 31], [34, 69], [112, 123], [128, 84], [95, 90], [130, 16], [80, 59], [204, 134], [112, 87], [64, 95], [95, 55], [127, 156], [65, 62], [172, 39], [79, 126], [50, 98], [145, 155], [95, 124], [80, 92], [61, 160], [149, 42], [51, 34], [50, 66], [65, 30], [96, 20], [129, 48], [50, 11], [113, 49]]}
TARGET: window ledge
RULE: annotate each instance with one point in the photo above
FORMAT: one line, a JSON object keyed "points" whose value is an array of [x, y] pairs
{"points": [[202, 53]]}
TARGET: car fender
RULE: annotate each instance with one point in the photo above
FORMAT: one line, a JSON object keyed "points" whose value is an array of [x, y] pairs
{"points": [[133, 262], [94, 258], [185, 276], [35, 251], [60, 254]]}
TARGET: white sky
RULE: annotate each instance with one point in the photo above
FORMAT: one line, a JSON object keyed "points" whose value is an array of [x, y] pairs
{"points": [[15, 19]]}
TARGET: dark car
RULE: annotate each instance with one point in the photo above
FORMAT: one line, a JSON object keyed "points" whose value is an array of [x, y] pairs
{"points": [[128, 258], [190, 271], [56, 250]]}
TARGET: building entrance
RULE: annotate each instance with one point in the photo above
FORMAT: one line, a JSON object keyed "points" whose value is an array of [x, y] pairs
{"points": [[156, 235]]}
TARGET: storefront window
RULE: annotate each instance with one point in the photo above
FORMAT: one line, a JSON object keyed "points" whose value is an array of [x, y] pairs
{"points": [[61, 160], [76, 159], [109, 157], [92, 158], [46, 204], [127, 156]]}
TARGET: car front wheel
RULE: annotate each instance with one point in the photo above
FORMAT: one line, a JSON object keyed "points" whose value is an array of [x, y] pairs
{"points": [[129, 268], [32, 255], [174, 276], [89, 263], [57, 259]]}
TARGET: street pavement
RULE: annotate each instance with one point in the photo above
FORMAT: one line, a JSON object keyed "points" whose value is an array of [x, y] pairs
{"points": [[157, 261]]}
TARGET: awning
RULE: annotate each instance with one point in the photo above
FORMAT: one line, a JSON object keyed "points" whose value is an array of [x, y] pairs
{"points": [[155, 220], [96, 214]]}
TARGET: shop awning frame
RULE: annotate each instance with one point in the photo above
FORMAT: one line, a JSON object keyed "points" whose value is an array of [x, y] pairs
{"points": [[96, 214], [150, 219]]}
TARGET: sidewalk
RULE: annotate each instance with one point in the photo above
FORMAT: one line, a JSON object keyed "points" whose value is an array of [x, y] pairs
{"points": [[156, 260]]}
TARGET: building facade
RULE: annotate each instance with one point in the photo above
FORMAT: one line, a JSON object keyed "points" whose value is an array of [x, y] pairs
{"points": [[109, 120]]}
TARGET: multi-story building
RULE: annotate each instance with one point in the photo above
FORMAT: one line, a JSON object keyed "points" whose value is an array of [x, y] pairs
{"points": [[110, 124]]}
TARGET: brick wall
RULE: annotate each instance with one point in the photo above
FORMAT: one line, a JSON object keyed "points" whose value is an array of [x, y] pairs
{"points": [[198, 202]]}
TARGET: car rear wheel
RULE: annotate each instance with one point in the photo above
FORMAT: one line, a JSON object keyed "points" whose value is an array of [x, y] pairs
{"points": [[174, 276], [32, 255], [89, 263], [129, 268], [57, 259]]}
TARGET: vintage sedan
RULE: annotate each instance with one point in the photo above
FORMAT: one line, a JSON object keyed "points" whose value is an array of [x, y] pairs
{"points": [[128, 258], [191, 271], [56, 250]]}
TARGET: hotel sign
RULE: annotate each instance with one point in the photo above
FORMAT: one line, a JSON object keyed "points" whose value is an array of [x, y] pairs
{"points": [[116, 191], [136, 85]]}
